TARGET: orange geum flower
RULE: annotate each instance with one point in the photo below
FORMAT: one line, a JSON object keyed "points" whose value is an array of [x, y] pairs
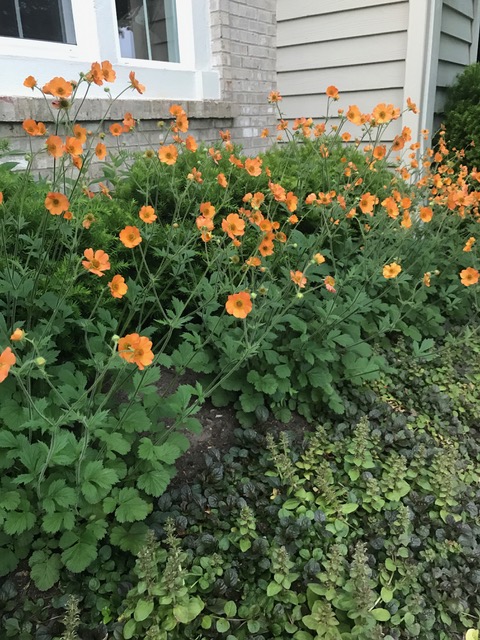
{"points": [[88, 221], [30, 82], [318, 258], [265, 133], [266, 247], [130, 237], [168, 154], [330, 284], [118, 287], [135, 83], [176, 110], [469, 276], [412, 106], [80, 133], [332, 92], [33, 128], [222, 181], [68, 215], [367, 203], [7, 360], [136, 349], [18, 335], [96, 261], [191, 143], [280, 237], [128, 121], [55, 146], [274, 96], [116, 129], [291, 201], [239, 304], [469, 244], [108, 73], [1, 197], [233, 225], [253, 166], [59, 88], [253, 261], [73, 146], [204, 224], [207, 209], [391, 207], [195, 175], [56, 203], [354, 115], [293, 219], [379, 152], [298, 278], [147, 214], [426, 214], [257, 200], [391, 270], [426, 278], [101, 151], [181, 123], [95, 74], [383, 113]]}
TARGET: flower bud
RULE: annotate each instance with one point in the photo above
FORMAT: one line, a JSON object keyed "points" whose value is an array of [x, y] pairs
{"points": [[18, 335], [40, 362], [115, 338], [300, 295]]}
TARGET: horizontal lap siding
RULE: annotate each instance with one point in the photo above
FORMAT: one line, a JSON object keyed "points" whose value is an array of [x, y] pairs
{"points": [[455, 41], [357, 45]]}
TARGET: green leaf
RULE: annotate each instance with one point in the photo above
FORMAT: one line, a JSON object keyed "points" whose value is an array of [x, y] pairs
{"points": [[45, 569], [253, 626], [131, 506], [472, 634], [382, 615], [57, 521], [185, 613], [129, 538], [9, 500], [97, 481], [81, 554], [129, 629], [250, 401], [350, 507], [154, 482], [58, 494], [230, 609], [8, 561], [390, 565], [273, 588], [282, 371], [387, 594], [143, 609], [222, 625], [18, 521]]}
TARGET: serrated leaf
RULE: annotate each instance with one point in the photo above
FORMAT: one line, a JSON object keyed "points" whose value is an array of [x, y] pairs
{"points": [[129, 538], [18, 521], [131, 506], [185, 613], [97, 481], [9, 500], [8, 561], [79, 556], [154, 482], [45, 569], [60, 520]]}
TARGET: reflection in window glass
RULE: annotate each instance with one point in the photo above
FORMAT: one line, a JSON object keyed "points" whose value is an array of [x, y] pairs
{"points": [[147, 29], [49, 20]]}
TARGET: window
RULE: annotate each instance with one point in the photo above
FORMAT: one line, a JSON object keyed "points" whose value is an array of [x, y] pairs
{"points": [[147, 29], [48, 20]]}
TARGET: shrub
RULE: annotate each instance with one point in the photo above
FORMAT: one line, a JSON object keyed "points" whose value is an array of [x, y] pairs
{"points": [[462, 115]]}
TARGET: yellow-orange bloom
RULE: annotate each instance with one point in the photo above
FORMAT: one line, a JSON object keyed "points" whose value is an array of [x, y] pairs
{"points": [[73, 146], [147, 214], [207, 209], [298, 278], [274, 96], [136, 349], [253, 261], [80, 133], [55, 146], [330, 284], [130, 237], [191, 143], [7, 360], [391, 270], [426, 278], [168, 154], [96, 261], [253, 166], [367, 203], [332, 92], [59, 88], [33, 128], [116, 129], [135, 83], [56, 203], [30, 82], [233, 225], [108, 73], [469, 276], [469, 244], [18, 335], [354, 115], [239, 304], [319, 258], [426, 214], [118, 288], [100, 151], [222, 181]]}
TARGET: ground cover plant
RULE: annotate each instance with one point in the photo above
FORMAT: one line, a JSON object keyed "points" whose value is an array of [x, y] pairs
{"points": [[230, 278]]}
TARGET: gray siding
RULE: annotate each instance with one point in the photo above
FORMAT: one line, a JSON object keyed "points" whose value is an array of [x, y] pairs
{"points": [[357, 45]]}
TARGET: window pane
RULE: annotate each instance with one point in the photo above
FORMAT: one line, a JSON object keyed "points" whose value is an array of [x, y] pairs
{"points": [[147, 29], [49, 20]]}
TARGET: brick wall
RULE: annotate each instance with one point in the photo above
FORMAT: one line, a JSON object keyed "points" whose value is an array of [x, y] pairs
{"points": [[243, 41]]}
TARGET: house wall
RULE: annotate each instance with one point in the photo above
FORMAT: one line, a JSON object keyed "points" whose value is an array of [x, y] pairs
{"points": [[360, 46], [243, 53]]}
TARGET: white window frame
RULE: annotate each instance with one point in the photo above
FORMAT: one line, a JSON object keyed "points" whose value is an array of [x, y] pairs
{"points": [[189, 79]]}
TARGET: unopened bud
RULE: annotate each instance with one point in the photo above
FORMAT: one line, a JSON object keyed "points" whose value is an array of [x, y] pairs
{"points": [[40, 362]]}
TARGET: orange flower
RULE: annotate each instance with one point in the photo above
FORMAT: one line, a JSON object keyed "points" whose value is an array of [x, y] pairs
{"points": [[56, 203], [469, 244], [116, 129], [168, 154], [80, 133], [469, 276], [101, 151], [383, 113], [253, 166], [280, 236], [379, 152], [7, 360], [426, 214], [239, 304], [222, 181], [130, 237], [31, 127], [391, 207], [191, 143], [30, 82], [332, 92], [147, 214], [195, 175], [207, 209], [367, 203], [298, 278], [291, 202], [73, 146], [68, 215], [136, 349], [265, 133], [254, 261], [176, 110], [108, 73], [274, 96], [266, 247], [18, 335], [233, 225], [330, 284], [135, 83], [128, 121], [354, 115], [293, 219], [181, 123], [318, 258], [117, 285], [1, 197], [426, 278], [412, 106], [59, 88], [96, 262], [391, 270], [55, 146], [88, 221], [204, 224], [95, 74]]}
